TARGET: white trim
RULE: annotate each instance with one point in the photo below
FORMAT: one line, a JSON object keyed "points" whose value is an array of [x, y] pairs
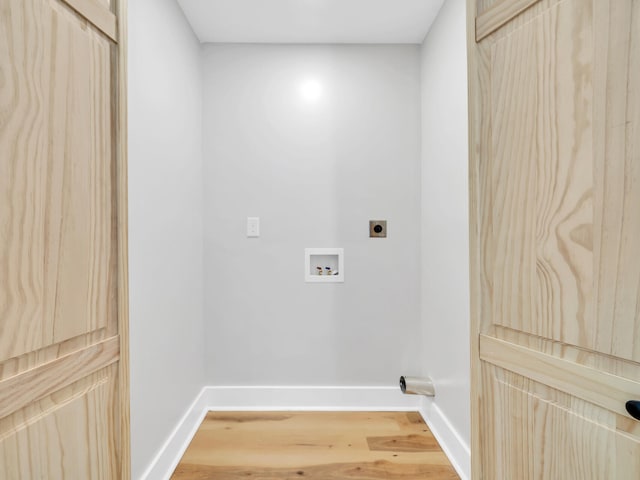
{"points": [[306, 398], [169, 455], [310, 277], [453, 445], [311, 398]]}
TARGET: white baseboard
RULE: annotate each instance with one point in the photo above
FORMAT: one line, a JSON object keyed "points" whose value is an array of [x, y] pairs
{"points": [[311, 398], [454, 447], [239, 398], [167, 459]]}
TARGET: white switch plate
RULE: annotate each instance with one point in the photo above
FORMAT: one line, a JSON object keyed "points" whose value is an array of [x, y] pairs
{"points": [[253, 227]]}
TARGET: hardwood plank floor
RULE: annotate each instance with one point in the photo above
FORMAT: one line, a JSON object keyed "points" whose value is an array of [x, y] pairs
{"points": [[314, 445]]}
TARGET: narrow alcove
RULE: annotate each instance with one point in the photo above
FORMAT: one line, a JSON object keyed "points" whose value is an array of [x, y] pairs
{"points": [[314, 138]]}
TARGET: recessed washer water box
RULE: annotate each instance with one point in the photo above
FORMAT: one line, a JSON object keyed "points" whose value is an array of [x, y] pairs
{"points": [[324, 265]]}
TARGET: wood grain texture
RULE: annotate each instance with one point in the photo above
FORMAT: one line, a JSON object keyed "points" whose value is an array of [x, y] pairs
{"points": [[378, 470], [55, 178], [25, 388], [63, 300], [96, 12], [476, 275], [403, 443], [317, 445], [588, 358], [590, 384], [617, 187], [543, 176], [120, 147], [555, 239], [16, 365], [575, 277], [35, 442], [478, 7], [498, 14], [526, 447]]}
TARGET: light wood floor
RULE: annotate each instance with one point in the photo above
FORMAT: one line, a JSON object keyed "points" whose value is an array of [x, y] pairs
{"points": [[314, 445]]}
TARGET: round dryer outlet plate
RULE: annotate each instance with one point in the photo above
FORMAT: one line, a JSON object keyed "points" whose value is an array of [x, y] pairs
{"points": [[378, 228]]}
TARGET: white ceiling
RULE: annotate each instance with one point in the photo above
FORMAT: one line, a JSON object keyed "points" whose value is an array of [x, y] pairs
{"points": [[311, 21]]}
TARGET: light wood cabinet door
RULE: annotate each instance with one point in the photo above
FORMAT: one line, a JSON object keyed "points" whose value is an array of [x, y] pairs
{"points": [[555, 235], [63, 289]]}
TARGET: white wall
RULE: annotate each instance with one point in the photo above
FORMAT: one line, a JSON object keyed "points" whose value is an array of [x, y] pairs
{"points": [[165, 223], [315, 173], [445, 232]]}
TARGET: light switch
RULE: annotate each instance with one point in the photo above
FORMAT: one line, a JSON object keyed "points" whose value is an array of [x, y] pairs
{"points": [[253, 227]]}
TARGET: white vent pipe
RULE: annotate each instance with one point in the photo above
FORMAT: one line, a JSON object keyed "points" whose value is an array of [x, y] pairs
{"points": [[417, 386]]}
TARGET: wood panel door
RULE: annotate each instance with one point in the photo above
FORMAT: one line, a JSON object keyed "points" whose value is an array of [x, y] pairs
{"points": [[555, 207], [63, 266]]}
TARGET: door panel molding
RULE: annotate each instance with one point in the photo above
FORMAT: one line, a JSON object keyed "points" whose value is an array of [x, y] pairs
{"points": [[607, 363], [64, 368], [554, 123], [20, 390], [16, 365], [56, 149], [599, 449], [60, 421], [499, 14], [98, 15], [597, 387]]}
